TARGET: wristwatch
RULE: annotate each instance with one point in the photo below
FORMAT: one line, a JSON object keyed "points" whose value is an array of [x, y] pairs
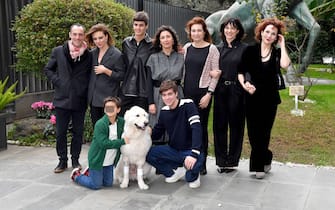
{"points": [[210, 92]]}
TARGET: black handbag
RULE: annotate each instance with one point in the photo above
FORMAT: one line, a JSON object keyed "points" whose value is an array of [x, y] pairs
{"points": [[279, 76]]}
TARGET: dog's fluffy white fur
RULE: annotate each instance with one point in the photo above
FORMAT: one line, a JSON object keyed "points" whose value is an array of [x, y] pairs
{"points": [[132, 164]]}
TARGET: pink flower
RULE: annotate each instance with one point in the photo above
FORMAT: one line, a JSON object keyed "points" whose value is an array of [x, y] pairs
{"points": [[52, 119]]}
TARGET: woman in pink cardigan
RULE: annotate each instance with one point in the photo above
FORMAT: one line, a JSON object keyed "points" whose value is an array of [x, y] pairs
{"points": [[201, 73]]}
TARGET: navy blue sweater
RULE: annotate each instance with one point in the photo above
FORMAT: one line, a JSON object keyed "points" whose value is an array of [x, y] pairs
{"points": [[182, 125]]}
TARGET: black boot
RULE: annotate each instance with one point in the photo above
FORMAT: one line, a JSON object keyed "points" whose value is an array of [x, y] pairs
{"points": [[76, 164], [62, 166]]}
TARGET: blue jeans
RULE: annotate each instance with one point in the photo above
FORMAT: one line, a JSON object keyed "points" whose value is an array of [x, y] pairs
{"points": [[97, 178], [165, 158]]}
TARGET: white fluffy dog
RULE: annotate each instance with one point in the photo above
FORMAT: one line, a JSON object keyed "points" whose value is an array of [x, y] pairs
{"points": [[134, 153]]}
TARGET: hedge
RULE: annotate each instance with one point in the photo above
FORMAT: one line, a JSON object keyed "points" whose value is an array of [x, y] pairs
{"points": [[44, 24]]}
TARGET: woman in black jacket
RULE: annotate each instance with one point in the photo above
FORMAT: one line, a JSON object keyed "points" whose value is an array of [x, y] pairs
{"points": [[107, 72]]}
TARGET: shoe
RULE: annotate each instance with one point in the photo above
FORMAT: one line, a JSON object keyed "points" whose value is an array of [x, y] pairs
{"points": [[62, 166], [220, 170], [267, 168], [203, 171], [86, 172], [178, 174], [75, 173], [229, 169], [260, 175], [76, 164], [195, 184]]}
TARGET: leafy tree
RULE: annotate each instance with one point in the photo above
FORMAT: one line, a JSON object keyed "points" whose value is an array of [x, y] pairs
{"points": [[44, 24]]}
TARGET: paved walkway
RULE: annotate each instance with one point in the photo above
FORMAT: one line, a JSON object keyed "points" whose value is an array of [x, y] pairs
{"points": [[28, 182]]}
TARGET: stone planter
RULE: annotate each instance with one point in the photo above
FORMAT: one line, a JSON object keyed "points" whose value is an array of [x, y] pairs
{"points": [[3, 131]]}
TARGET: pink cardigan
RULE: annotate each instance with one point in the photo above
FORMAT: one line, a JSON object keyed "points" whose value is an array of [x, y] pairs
{"points": [[212, 63]]}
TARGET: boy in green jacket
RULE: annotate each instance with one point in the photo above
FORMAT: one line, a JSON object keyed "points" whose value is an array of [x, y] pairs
{"points": [[104, 151]]}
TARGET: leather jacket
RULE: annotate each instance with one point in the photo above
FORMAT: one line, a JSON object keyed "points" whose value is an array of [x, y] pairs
{"points": [[136, 56]]}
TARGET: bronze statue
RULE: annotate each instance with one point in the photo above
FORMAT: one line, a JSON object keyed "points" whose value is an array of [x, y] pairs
{"points": [[297, 9]]}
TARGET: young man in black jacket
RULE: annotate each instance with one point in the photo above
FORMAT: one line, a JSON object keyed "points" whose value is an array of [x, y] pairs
{"points": [[68, 69], [136, 50]]}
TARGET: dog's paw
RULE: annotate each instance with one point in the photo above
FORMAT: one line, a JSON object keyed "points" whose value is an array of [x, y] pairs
{"points": [[143, 186], [123, 185]]}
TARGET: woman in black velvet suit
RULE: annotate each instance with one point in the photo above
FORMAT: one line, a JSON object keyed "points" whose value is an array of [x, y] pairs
{"points": [[261, 62]]}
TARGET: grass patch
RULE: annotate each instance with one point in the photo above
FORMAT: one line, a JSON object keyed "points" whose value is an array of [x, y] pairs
{"points": [[309, 139], [320, 71]]}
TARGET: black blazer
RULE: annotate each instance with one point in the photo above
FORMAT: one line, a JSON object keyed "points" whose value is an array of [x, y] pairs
{"points": [[102, 85], [70, 79]]}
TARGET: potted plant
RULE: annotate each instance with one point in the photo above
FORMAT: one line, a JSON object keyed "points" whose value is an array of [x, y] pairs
{"points": [[7, 95]]}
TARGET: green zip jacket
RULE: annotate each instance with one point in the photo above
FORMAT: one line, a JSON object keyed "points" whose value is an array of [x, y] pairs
{"points": [[101, 142]]}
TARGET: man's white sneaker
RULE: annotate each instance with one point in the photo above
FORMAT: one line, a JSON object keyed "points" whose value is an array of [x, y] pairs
{"points": [[267, 168], [195, 183], [260, 175], [178, 174]]}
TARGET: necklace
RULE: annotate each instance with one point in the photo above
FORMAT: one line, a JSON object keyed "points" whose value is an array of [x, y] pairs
{"points": [[267, 55]]}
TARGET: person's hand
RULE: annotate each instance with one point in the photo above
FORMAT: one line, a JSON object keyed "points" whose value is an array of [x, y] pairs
{"points": [[250, 88], [149, 129], [152, 109], [215, 73], [126, 140], [204, 101], [281, 41], [189, 162], [181, 49], [101, 69]]}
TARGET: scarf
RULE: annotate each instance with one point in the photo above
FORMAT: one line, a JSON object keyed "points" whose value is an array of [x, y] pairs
{"points": [[76, 52]]}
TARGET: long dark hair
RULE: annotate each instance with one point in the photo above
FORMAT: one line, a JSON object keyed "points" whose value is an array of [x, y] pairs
{"points": [[236, 23], [157, 43]]}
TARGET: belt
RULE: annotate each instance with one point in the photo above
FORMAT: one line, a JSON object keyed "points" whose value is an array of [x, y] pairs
{"points": [[227, 82], [157, 83]]}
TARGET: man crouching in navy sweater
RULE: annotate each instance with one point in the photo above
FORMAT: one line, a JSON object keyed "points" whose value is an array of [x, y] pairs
{"points": [[183, 155]]}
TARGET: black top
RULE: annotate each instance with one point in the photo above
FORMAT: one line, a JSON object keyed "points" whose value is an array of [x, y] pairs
{"points": [[70, 78], [102, 85], [194, 64], [262, 74], [230, 58], [136, 56]]}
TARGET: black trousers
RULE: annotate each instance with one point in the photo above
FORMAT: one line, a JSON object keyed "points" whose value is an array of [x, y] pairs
{"points": [[228, 124], [129, 101], [204, 114], [260, 119], [63, 117], [96, 113]]}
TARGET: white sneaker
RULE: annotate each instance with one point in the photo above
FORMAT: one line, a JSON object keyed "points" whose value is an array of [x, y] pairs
{"points": [[260, 175], [178, 174], [195, 183], [267, 168]]}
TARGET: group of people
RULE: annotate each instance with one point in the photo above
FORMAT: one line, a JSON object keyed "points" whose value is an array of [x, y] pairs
{"points": [[175, 85]]}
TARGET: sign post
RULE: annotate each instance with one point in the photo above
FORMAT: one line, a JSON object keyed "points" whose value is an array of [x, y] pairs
{"points": [[296, 91]]}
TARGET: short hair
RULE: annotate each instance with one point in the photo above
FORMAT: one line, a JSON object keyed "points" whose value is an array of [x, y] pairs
{"points": [[236, 23], [116, 100], [201, 21], [269, 21], [141, 16], [157, 43], [78, 25], [99, 27], [167, 85]]}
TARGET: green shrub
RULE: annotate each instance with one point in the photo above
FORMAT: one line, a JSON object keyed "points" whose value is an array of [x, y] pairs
{"points": [[8, 95], [44, 24]]}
